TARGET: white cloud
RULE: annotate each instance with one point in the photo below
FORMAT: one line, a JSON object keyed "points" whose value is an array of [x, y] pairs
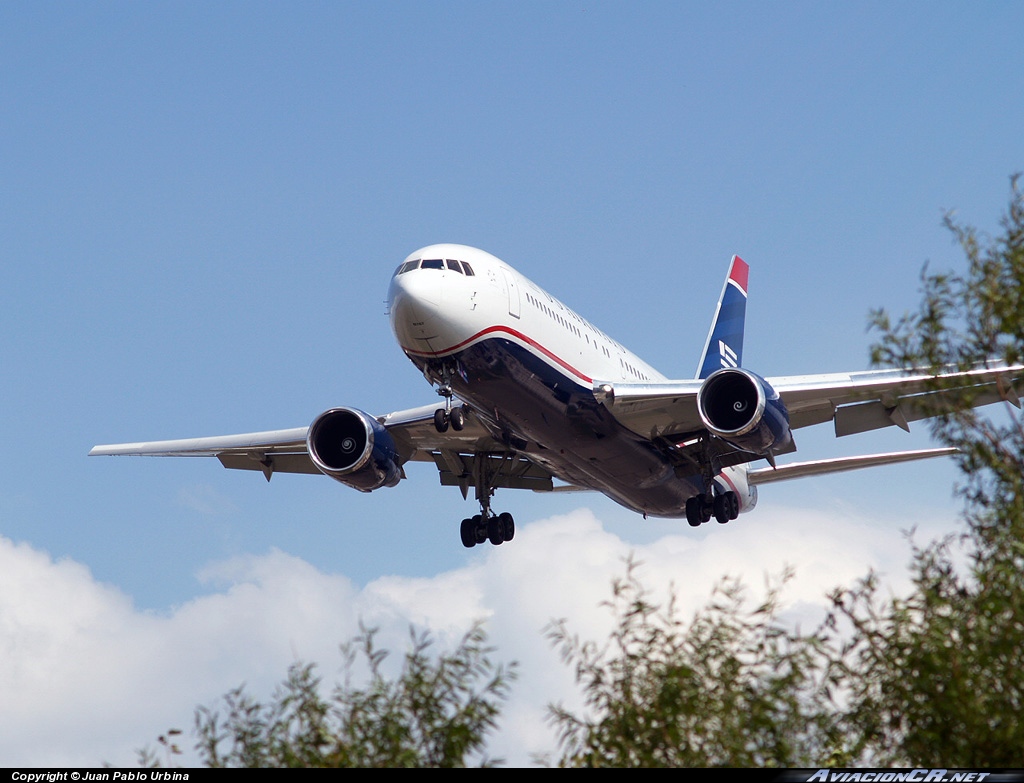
{"points": [[87, 678], [205, 500]]}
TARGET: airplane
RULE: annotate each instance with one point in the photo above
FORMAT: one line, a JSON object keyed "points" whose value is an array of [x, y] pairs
{"points": [[536, 397]]}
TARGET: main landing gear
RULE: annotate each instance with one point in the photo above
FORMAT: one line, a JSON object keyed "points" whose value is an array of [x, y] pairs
{"points": [[486, 526], [723, 507]]}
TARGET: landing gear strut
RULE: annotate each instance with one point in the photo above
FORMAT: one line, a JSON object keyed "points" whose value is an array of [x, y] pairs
{"points": [[486, 526]]}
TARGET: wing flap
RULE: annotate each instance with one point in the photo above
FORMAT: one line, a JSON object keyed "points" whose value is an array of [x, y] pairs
{"points": [[270, 463], [865, 416], [505, 471]]}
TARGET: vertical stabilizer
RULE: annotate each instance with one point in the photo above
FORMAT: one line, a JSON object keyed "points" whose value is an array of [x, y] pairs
{"points": [[724, 347]]}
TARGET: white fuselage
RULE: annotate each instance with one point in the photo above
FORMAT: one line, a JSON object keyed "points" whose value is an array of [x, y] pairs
{"points": [[521, 359], [436, 312]]}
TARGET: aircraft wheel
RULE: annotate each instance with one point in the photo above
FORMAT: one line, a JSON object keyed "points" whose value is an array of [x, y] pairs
{"points": [[441, 420], [734, 504], [721, 508], [706, 510], [480, 528], [468, 532], [494, 531], [508, 526], [457, 417], [693, 512]]}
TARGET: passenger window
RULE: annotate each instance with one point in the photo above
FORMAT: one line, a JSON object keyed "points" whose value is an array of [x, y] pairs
{"points": [[432, 263]]}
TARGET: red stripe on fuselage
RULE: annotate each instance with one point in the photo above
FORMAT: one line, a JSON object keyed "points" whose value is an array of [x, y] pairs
{"points": [[728, 481], [508, 330]]}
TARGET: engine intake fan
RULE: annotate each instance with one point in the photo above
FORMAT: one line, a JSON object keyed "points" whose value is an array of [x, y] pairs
{"points": [[744, 410], [354, 448]]}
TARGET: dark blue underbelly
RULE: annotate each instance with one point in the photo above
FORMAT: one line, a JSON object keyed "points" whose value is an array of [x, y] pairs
{"points": [[545, 413]]}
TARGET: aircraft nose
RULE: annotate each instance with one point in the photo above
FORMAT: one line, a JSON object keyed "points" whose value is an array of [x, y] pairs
{"points": [[414, 302]]}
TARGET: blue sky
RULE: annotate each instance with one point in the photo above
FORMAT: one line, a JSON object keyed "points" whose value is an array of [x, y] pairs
{"points": [[200, 210]]}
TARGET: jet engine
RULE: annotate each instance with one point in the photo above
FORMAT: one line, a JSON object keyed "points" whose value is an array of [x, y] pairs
{"points": [[744, 410], [354, 448]]}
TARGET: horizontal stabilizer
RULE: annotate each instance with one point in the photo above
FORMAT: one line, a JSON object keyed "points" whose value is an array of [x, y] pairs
{"points": [[840, 464]]}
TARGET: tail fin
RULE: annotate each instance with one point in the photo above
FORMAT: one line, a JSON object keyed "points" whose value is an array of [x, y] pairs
{"points": [[724, 347]]}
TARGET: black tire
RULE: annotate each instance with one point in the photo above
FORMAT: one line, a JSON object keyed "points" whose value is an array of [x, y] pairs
{"points": [[721, 508], [457, 417], [693, 512], [734, 505], [441, 420], [508, 526], [480, 528], [706, 510], [494, 531], [468, 532]]}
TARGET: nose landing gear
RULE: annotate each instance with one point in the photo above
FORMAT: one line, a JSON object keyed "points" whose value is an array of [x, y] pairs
{"points": [[448, 415], [454, 416]]}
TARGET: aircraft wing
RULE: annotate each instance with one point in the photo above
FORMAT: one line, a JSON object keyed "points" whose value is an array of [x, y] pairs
{"points": [[416, 438], [281, 451], [840, 464], [856, 402], [863, 401]]}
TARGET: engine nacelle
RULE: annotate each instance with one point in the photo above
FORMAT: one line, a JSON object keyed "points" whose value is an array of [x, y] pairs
{"points": [[353, 448], [744, 410]]}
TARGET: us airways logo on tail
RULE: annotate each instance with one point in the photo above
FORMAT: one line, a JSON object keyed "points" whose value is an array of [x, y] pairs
{"points": [[729, 357], [724, 346]]}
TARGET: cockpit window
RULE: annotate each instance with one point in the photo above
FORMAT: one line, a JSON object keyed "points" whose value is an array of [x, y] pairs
{"points": [[435, 263]]}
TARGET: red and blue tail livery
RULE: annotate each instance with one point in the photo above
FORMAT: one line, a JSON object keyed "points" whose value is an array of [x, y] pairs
{"points": [[724, 346]]}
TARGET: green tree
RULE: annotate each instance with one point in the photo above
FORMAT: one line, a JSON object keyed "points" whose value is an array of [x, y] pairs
{"points": [[965, 320], [938, 676], [732, 687], [438, 712]]}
